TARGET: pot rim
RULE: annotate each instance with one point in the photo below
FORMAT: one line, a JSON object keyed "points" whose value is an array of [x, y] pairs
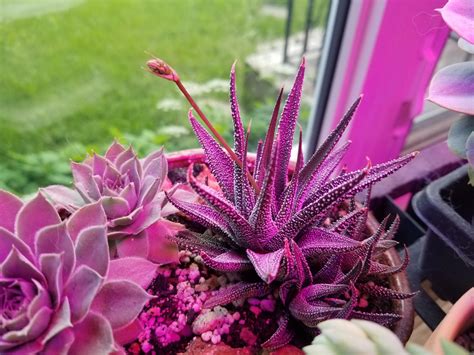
{"points": [[398, 282], [459, 318]]}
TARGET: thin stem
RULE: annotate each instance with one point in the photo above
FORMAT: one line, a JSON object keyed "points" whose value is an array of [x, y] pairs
{"points": [[215, 133]]}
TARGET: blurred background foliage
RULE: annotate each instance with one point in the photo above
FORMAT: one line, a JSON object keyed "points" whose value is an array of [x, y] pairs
{"points": [[71, 77]]}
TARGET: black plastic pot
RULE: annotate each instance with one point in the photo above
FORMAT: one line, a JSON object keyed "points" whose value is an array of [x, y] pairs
{"points": [[446, 206]]}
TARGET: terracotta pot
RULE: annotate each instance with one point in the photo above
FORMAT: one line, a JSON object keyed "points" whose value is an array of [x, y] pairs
{"points": [[398, 282], [459, 318]]}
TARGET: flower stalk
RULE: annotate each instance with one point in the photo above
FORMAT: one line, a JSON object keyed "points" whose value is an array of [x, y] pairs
{"points": [[161, 69]]}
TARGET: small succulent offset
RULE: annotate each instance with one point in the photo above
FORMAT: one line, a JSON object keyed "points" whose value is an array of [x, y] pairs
{"points": [[59, 291], [339, 336], [277, 228], [342, 337], [130, 192]]}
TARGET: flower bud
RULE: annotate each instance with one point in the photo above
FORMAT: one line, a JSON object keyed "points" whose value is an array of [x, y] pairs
{"points": [[162, 69]]}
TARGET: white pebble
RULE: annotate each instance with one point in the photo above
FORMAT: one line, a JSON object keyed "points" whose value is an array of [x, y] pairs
{"points": [[206, 336]]}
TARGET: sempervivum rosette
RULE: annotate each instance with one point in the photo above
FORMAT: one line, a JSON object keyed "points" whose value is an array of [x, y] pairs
{"points": [[130, 191], [59, 292]]}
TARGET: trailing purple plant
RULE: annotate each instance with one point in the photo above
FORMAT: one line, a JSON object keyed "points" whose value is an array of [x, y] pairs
{"points": [[130, 191], [280, 229]]}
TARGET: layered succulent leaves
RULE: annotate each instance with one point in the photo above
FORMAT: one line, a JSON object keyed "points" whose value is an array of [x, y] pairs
{"points": [[59, 291], [279, 232], [453, 86], [130, 192]]}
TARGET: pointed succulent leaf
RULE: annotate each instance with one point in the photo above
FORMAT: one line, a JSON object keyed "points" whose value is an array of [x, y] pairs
{"points": [[311, 314], [36, 326], [243, 194], [120, 302], [60, 321], [386, 319], [133, 171], [51, 267], [308, 215], [219, 162], [98, 165], [94, 335], [84, 181], [8, 241], [347, 220], [92, 249], [258, 159], [383, 292], [55, 239], [211, 244], [16, 266], [136, 245], [87, 216], [239, 137], [10, 205], [288, 202], [319, 241], [266, 265], [261, 218], [81, 289], [302, 273], [459, 15], [286, 130], [204, 215], [323, 151], [150, 214], [330, 271], [227, 262], [346, 310], [33, 216], [227, 210], [380, 171], [390, 234], [134, 269], [315, 292], [241, 290], [282, 336], [324, 172], [384, 245], [352, 275], [114, 151], [269, 142], [124, 157], [63, 197], [115, 207]]}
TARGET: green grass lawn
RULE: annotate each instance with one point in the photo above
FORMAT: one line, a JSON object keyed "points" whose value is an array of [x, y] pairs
{"points": [[71, 73]]}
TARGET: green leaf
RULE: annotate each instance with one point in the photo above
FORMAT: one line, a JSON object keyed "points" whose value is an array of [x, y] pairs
{"points": [[414, 349], [450, 348], [458, 134]]}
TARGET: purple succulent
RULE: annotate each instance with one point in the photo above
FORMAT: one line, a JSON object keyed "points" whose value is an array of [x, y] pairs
{"points": [[59, 292], [130, 192], [279, 231]]}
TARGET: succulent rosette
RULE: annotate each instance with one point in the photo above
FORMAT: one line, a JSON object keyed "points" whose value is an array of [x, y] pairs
{"points": [[284, 231], [59, 291], [130, 192]]}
